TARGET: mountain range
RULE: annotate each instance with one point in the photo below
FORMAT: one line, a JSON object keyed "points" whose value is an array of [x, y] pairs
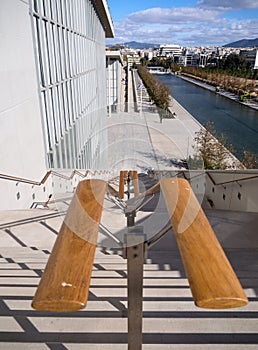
{"points": [[141, 46], [136, 45], [237, 44], [243, 43]]}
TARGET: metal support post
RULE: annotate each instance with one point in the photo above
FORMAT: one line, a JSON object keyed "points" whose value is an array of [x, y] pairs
{"points": [[130, 218], [130, 214], [135, 260], [128, 180]]}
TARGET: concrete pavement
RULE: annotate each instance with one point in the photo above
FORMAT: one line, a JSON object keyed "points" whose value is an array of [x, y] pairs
{"points": [[140, 139]]}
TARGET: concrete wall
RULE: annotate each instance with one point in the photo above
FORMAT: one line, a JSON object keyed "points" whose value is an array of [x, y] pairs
{"points": [[21, 140], [232, 191], [24, 146]]}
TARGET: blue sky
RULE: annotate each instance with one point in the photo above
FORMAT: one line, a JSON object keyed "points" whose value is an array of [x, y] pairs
{"points": [[187, 23]]}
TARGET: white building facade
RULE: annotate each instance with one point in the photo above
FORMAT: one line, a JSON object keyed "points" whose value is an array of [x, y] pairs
{"points": [[53, 85], [170, 50], [115, 76]]}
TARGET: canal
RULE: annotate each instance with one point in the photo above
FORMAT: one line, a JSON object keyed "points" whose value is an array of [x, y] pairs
{"points": [[237, 122]]}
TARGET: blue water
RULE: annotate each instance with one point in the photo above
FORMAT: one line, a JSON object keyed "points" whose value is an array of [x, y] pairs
{"points": [[237, 122]]}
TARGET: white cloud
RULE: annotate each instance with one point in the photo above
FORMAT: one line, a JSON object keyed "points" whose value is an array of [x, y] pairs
{"points": [[172, 15], [186, 26], [228, 4]]}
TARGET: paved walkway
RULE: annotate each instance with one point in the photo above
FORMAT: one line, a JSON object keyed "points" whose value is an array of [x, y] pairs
{"points": [[140, 139]]}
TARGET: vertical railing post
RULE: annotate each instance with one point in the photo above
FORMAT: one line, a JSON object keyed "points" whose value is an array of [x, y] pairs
{"points": [[135, 261], [134, 252]]}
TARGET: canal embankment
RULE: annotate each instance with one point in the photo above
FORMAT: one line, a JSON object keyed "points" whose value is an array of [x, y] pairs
{"points": [[173, 138], [221, 92], [237, 122]]}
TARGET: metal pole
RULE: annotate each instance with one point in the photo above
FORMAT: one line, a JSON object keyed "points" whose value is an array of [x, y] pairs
{"points": [[141, 99], [135, 260], [135, 249], [109, 88]]}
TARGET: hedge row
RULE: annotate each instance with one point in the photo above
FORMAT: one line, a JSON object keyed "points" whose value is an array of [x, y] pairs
{"points": [[158, 92]]}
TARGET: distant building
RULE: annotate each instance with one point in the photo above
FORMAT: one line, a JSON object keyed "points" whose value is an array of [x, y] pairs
{"points": [[189, 58], [150, 55], [256, 60], [203, 59], [249, 55], [133, 58], [174, 51], [114, 64], [156, 69]]}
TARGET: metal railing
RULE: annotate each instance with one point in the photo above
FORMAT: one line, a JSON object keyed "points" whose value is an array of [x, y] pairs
{"points": [[55, 173]]}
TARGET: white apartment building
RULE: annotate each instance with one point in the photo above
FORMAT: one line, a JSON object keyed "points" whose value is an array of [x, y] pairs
{"points": [[189, 58], [249, 55], [170, 50], [53, 85], [133, 58]]}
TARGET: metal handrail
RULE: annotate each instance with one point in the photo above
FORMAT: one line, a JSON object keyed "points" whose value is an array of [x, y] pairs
{"points": [[55, 173], [209, 173], [38, 218]]}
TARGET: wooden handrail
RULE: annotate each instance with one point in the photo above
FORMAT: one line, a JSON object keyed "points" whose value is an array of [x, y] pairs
{"points": [[212, 280], [64, 285], [134, 176], [122, 177]]}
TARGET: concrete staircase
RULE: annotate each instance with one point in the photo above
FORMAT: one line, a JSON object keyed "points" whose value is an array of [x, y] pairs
{"points": [[170, 319]]}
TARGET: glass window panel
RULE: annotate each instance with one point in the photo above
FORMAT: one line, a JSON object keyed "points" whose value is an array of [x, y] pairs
{"points": [[52, 4], [49, 114], [60, 110], [56, 112]]}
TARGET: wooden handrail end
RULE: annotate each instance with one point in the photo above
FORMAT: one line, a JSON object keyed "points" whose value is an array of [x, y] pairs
{"points": [[222, 303], [212, 280], [65, 283], [58, 305]]}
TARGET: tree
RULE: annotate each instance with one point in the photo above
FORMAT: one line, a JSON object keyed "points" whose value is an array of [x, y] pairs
{"points": [[250, 160], [134, 66], [212, 149], [143, 61]]}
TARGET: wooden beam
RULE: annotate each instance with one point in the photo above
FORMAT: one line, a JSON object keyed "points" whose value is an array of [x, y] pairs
{"points": [[134, 176], [212, 280], [65, 283], [123, 175]]}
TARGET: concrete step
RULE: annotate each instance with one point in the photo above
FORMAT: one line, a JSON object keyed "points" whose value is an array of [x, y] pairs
{"points": [[170, 318]]}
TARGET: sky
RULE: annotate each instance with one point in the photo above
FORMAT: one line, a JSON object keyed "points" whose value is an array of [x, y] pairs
{"points": [[186, 23]]}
